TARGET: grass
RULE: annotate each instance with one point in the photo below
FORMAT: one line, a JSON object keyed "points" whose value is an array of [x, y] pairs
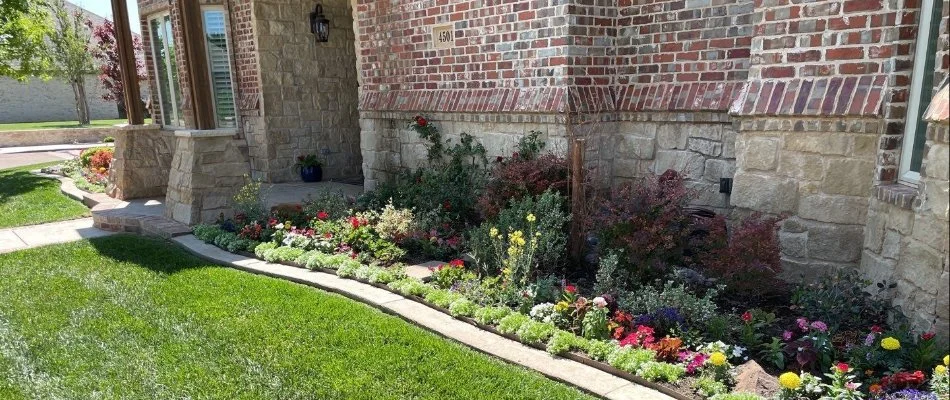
{"points": [[27, 199], [131, 318], [99, 123]]}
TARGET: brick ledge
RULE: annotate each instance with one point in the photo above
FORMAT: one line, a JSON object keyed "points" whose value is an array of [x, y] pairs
{"points": [[902, 196]]}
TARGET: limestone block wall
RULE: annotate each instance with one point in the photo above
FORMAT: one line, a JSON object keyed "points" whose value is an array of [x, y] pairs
{"points": [[38, 101], [207, 169], [390, 146], [817, 171], [309, 91], [141, 162]]}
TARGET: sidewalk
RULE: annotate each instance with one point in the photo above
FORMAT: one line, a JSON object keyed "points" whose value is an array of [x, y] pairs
{"points": [[24, 237]]}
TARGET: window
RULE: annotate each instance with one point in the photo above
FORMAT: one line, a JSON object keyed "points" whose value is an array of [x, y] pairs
{"points": [[219, 66], [921, 91], [166, 70]]}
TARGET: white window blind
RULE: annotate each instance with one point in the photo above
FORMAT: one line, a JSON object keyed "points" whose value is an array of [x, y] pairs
{"points": [[219, 66]]}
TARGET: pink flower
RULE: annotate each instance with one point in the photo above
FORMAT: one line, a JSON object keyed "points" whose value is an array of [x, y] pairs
{"points": [[322, 215], [786, 335], [927, 335], [802, 324], [820, 326], [600, 302], [457, 263], [570, 289], [842, 367], [852, 386]]}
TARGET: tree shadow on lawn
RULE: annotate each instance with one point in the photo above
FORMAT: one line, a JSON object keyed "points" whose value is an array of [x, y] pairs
{"points": [[151, 253], [16, 182]]}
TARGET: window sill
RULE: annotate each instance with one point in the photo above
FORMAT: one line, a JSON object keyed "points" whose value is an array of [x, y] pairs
{"points": [[896, 194]]}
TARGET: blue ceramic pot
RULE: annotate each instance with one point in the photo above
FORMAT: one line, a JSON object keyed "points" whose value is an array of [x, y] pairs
{"points": [[311, 174]]}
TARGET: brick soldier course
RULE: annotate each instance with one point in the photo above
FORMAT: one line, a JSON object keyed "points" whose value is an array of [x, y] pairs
{"points": [[803, 104]]}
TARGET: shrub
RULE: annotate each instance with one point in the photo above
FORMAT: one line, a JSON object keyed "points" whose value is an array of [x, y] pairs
{"points": [[840, 299], [563, 342], [248, 202], [447, 275], [333, 204], [462, 308], [108, 139], [747, 261], [630, 359], [648, 300], [648, 223], [551, 223], [101, 160], [395, 224], [491, 315], [511, 323], [206, 233], [263, 248], [85, 157], [654, 371], [442, 298], [518, 178], [536, 332]]}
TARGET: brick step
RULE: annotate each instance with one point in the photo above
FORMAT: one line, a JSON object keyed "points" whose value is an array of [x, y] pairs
{"points": [[117, 220]]}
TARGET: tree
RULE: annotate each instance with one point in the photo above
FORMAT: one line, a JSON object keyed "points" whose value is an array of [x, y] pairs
{"points": [[72, 60], [106, 53], [24, 25]]}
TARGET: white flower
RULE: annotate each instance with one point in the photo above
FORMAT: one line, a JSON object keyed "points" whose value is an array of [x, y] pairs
{"points": [[279, 226], [600, 302]]}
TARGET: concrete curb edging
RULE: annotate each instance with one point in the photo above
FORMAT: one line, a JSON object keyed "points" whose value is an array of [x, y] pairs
{"points": [[584, 377], [68, 188]]}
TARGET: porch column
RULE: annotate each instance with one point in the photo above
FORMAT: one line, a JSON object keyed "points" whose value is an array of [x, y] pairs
{"points": [[130, 79], [196, 60]]}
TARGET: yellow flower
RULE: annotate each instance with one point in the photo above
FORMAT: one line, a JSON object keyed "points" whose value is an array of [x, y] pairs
{"points": [[561, 306], [940, 370], [790, 380], [493, 232], [531, 218], [946, 360], [718, 359], [889, 343]]}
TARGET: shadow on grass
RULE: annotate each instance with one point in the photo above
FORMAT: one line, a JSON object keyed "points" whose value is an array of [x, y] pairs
{"points": [[16, 182], [151, 253]]}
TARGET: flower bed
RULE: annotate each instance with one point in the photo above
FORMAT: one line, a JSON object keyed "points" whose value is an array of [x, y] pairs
{"points": [[89, 171], [667, 296]]}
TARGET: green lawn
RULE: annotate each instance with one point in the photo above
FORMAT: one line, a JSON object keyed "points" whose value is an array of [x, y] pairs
{"points": [[26, 199], [124, 317], [99, 123]]}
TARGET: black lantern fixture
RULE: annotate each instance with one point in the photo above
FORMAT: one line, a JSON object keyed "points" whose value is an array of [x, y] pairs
{"points": [[320, 25]]}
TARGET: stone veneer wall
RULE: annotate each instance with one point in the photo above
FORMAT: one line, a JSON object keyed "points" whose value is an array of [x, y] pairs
{"points": [[309, 91], [141, 162], [207, 170]]}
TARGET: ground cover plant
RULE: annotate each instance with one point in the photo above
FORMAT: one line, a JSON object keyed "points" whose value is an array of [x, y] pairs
{"points": [[27, 199], [125, 317], [672, 294]]}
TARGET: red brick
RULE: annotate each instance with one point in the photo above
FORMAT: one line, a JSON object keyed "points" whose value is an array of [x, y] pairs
{"points": [[847, 53]]}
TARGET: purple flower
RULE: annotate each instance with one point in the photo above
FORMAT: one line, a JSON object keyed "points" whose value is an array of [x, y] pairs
{"points": [[869, 339], [802, 324], [820, 326], [786, 335]]}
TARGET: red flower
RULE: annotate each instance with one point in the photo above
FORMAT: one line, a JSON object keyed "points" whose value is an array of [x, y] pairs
{"points": [[322, 215], [447, 205], [355, 222], [876, 329], [570, 289], [421, 121], [457, 263], [927, 335], [842, 367], [328, 235], [747, 317]]}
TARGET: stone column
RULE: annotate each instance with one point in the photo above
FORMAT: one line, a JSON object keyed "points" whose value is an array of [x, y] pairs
{"points": [[140, 165], [208, 168]]}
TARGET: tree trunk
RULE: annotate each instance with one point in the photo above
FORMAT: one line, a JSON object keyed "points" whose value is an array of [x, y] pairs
{"points": [[82, 102]]}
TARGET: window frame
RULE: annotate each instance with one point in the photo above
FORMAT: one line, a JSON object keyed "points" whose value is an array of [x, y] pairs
{"points": [[176, 119], [924, 46], [230, 55]]}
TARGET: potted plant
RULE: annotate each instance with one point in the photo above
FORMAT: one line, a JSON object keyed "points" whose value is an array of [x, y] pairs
{"points": [[309, 167]]}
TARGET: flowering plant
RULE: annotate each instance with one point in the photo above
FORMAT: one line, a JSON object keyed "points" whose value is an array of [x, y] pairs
{"points": [[307, 161]]}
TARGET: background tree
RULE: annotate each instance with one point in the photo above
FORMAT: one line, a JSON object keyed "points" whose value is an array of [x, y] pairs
{"points": [[106, 53], [72, 60], [24, 25]]}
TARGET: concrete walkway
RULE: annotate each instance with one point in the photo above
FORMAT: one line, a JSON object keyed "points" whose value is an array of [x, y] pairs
{"points": [[25, 237], [574, 373]]}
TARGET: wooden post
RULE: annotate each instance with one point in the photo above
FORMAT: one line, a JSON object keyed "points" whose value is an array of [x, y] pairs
{"points": [[578, 147], [127, 70], [196, 60]]}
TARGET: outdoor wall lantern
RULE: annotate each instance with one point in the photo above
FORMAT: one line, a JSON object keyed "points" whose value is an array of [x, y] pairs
{"points": [[320, 25]]}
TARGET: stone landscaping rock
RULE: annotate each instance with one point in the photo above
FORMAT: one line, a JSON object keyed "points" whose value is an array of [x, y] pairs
{"points": [[753, 379], [422, 271]]}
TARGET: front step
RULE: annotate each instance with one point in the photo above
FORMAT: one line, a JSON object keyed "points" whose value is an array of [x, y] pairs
{"points": [[117, 220]]}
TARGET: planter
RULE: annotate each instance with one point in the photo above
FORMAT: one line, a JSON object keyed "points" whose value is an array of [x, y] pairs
{"points": [[311, 174]]}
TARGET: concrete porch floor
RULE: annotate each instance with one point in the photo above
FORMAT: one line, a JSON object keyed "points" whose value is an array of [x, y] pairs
{"points": [[298, 192]]}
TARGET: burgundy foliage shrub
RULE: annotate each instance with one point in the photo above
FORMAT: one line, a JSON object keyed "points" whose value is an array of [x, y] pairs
{"points": [[649, 222], [747, 260], [516, 177], [101, 160]]}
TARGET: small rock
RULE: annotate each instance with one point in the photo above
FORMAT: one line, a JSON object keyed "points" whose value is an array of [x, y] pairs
{"points": [[753, 379]]}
